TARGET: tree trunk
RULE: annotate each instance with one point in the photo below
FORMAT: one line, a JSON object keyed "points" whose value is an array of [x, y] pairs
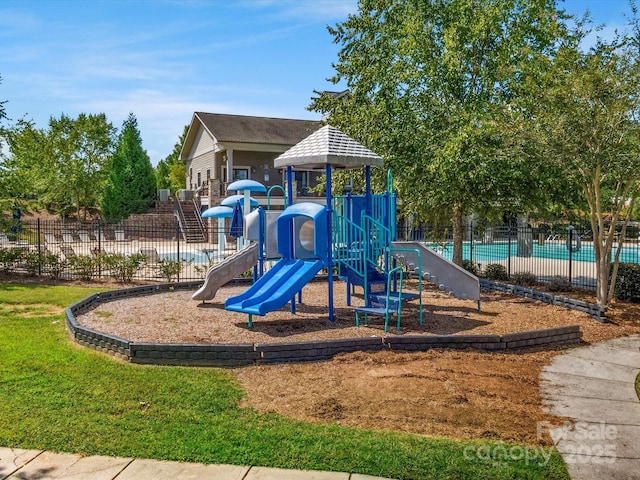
{"points": [[616, 260], [602, 286], [458, 233]]}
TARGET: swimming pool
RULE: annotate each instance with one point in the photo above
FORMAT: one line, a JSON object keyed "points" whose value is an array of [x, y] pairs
{"points": [[497, 251], [197, 256]]}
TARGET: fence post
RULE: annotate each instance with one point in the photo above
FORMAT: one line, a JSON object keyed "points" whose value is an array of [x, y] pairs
{"points": [[99, 233], [39, 248], [471, 241], [509, 250], [570, 245], [178, 244]]}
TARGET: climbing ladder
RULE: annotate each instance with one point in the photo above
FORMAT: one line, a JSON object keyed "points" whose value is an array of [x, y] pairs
{"points": [[389, 303]]}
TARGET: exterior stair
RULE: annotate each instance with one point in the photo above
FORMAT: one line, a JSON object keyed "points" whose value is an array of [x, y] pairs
{"points": [[191, 224]]}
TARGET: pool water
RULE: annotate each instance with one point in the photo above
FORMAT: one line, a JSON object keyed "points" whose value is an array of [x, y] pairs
{"points": [[199, 256], [495, 252]]}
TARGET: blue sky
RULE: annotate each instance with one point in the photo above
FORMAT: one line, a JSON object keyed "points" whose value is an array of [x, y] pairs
{"points": [[165, 59]]}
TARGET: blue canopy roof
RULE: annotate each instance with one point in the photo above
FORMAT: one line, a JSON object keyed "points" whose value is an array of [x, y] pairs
{"points": [[218, 212], [231, 201], [251, 185]]}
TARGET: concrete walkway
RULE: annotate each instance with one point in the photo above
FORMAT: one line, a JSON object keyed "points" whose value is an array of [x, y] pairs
{"points": [[18, 464], [594, 387]]}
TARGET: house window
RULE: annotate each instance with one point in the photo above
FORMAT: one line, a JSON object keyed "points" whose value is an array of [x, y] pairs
{"points": [[240, 174], [208, 174], [199, 179], [191, 179]]}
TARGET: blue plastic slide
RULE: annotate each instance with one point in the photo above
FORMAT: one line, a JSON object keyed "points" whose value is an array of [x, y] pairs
{"points": [[275, 288]]}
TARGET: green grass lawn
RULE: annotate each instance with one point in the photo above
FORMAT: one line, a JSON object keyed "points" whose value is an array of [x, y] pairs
{"points": [[59, 396], [638, 385]]}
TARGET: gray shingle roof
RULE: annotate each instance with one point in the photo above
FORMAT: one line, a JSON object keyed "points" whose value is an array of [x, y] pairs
{"points": [[248, 129], [328, 145]]}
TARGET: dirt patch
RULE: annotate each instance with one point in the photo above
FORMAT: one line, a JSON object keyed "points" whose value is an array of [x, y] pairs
{"points": [[458, 394], [438, 393]]}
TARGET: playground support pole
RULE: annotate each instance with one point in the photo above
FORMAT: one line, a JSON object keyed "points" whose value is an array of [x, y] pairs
{"points": [[221, 238], [289, 186], [261, 235], [246, 210], [348, 212], [367, 170], [329, 241]]}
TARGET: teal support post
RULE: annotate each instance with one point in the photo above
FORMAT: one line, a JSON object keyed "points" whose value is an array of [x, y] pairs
{"points": [[329, 242]]}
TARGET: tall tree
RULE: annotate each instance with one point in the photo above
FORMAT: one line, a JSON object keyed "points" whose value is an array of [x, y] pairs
{"points": [[171, 171], [132, 181], [65, 165], [433, 87], [588, 117]]}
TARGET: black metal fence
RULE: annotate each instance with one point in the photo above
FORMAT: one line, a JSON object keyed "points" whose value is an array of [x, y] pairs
{"points": [[149, 249], [546, 253], [155, 249]]}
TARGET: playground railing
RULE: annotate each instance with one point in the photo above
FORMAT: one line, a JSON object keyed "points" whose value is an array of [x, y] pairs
{"points": [[378, 242], [349, 244]]}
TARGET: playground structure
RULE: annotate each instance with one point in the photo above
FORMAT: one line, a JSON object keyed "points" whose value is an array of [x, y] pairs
{"points": [[354, 235]]}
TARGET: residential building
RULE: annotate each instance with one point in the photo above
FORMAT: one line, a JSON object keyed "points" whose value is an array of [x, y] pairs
{"points": [[221, 148]]}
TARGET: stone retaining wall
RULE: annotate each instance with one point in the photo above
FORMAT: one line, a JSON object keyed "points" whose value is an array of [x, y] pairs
{"points": [[226, 355], [597, 312]]}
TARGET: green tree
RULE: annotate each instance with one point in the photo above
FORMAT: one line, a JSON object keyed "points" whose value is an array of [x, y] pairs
{"points": [[21, 176], [434, 90], [132, 181], [171, 171], [64, 166], [588, 119]]}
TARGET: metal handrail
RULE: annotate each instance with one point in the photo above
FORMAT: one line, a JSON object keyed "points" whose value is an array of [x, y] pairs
{"points": [[179, 213], [199, 217]]}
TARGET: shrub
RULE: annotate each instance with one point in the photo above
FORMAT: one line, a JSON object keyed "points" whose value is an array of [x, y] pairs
{"points": [[525, 279], [123, 267], [9, 258], [33, 262], [170, 268], [201, 270], [496, 271], [85, 266], [559, 284], [471, 267], [628, 282], [53, 264]]}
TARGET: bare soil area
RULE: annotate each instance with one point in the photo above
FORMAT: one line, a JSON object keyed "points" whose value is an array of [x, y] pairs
{"points": [[458, 394]]}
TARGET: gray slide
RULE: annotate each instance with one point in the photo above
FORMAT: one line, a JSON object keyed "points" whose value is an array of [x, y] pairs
{"points": [[226, 271], [438, 270]]}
